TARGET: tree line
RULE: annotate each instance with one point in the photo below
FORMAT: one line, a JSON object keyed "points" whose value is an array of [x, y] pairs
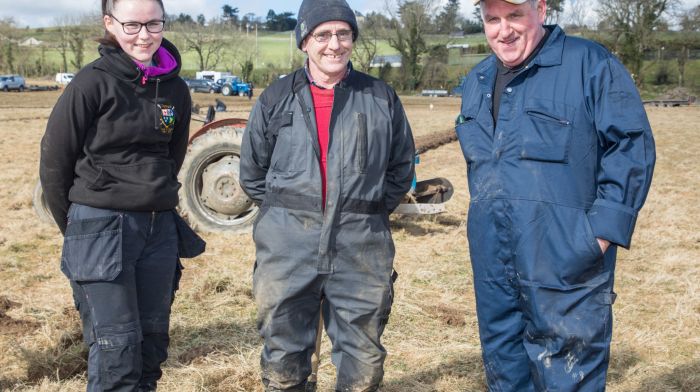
{"points": [[632, 29], [230, 16]]}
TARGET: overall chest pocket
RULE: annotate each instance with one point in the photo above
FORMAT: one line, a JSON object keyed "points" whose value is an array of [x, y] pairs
{"points": [[546, 131], [474, 140], [289, 153], [356, 145]]}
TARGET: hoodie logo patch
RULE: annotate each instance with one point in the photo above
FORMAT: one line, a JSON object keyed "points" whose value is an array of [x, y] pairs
{"points": [[167, 118]]}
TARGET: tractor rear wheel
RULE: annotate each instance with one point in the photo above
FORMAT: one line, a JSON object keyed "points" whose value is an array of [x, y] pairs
{"points": [[211, 199], [39, 204], [226, 90]]}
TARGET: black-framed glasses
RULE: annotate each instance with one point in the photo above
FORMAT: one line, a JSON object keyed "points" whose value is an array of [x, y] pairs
{"points": [[325, 36], [131, 28]]}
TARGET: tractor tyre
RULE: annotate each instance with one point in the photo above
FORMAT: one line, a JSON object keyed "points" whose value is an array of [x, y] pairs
{"points": [[226, 90], [211, 199], [39, 205]]}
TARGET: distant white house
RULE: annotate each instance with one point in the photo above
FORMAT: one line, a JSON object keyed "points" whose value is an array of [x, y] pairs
{"points": [[31, 41], [393, 60], [459, 46]]}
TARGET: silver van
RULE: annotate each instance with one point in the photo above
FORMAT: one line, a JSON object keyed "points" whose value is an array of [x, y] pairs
{"points": [[11, 82]]}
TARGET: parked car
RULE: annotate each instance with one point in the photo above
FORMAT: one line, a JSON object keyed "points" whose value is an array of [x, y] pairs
{"points": [[64, 78], [11, 82], [202, 86], [233, 85]]}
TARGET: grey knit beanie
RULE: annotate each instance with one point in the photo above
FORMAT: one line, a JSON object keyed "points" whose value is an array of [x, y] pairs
{"points": [[314, 12]]}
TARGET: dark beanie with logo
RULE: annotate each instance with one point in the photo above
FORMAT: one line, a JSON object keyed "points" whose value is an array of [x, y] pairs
{"points": [[314, 12]]}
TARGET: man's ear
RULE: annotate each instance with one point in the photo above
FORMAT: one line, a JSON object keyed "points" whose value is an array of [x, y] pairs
{"points": [[542, 10]]}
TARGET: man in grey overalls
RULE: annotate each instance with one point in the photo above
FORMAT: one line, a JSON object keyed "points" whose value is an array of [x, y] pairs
{"points": [[327, 154]]}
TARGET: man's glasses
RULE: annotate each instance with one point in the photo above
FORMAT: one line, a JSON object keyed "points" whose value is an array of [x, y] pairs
{"points": [[325, 36], [131, 28]]}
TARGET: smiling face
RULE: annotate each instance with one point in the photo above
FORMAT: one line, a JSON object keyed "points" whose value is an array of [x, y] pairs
{"points": [[142, 46], [513, 31], [328, 61]]}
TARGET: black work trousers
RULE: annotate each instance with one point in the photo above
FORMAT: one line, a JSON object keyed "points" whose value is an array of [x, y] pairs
{"points": [[123, 268]]}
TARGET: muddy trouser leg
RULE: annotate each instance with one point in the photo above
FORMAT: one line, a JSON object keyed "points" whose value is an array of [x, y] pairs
{"points": [[569, 344], [566, 296], [155, 280], [288, 298], [316, 356], [500, 317], [356, 309]]}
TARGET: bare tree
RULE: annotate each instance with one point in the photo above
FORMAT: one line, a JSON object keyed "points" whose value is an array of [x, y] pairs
{"points": [[242, 55], [7, 28], [683, 42], [633, 23], [365, 48], [76, 42], [690, 19], [555, 8], [577, 13], [409, 29], [62, 47], [7, 35], [72, 34], [206, 42], [448, 20]]}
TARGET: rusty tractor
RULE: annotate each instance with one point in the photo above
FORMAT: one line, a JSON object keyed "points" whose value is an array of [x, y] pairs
{"points": [[211, 199]]}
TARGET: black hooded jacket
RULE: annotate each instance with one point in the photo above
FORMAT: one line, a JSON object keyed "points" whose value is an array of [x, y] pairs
{"points": [[114, 141]]}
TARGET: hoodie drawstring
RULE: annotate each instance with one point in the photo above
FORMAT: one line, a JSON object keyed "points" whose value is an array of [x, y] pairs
{"points": [[155, 120]]}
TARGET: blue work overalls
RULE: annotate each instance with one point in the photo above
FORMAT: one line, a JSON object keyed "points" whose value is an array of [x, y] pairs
{"points": [[569, 160]]}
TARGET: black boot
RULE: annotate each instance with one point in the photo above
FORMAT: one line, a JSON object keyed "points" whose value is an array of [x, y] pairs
{"points": [[150, 387]]}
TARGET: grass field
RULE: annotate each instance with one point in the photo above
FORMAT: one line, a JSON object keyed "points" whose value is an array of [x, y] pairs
{"points": [[273, 49], [432, 335]]}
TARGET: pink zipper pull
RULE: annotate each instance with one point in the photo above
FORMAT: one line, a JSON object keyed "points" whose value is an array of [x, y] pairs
{"points": [[143, 80]]}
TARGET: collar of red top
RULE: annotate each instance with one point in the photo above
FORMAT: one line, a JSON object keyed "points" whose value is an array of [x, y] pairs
{"points": [[164, 63], [311, 79]]}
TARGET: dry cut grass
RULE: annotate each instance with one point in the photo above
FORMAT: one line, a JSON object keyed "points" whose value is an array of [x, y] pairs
{"points": [[432, 336]]}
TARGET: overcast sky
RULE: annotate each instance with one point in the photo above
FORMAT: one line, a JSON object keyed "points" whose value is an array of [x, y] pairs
{"points": [[46, 12]]}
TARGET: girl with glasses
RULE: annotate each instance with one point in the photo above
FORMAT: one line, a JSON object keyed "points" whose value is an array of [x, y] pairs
{"points": [[110, 156]]}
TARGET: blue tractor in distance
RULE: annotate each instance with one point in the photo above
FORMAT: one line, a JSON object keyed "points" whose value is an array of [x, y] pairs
{"points": [[233, 85]]}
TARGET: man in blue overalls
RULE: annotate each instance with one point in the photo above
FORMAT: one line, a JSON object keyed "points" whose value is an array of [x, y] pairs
{"points": [[560, 157]]}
